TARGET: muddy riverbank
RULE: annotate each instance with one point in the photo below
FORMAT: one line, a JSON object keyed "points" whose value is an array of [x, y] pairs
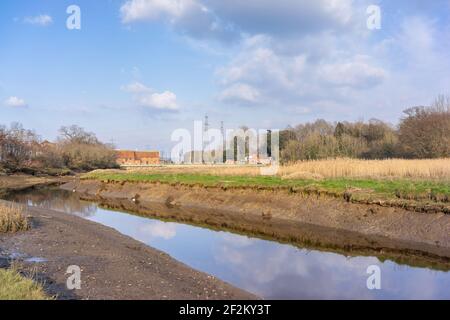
{"points": [[20, 182], [113, 266], [319, 222]]}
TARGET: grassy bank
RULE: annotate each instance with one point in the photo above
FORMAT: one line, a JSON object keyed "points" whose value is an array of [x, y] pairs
{"points": [[356, 189], [12, 285], [15, 287]]}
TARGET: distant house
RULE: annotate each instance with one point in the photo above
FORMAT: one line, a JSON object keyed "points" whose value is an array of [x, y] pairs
{"points": [[137, 158], [47, 144], [38, 149]]}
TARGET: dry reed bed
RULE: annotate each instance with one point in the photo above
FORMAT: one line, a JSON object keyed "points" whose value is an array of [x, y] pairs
{"points": [[428, 169], [13, 218]]}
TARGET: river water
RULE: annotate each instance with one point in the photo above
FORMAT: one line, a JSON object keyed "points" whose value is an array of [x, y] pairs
{"points": [[267, 268]]}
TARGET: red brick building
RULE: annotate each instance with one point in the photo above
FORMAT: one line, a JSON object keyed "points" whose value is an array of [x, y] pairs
{"points": [[137, 158]]}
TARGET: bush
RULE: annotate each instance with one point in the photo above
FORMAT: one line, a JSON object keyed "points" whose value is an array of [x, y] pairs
{"points": [[425, 131], [79, 156]]}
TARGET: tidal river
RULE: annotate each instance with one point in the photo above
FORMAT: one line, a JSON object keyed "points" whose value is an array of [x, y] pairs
{"points": [[266, 268]]}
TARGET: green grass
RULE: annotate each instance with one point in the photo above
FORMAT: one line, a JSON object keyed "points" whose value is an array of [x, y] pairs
{"points": [[15, 287], [365, 188], [12, 285]]}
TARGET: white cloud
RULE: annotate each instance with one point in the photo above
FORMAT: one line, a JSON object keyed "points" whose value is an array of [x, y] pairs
{"points": [[356, 73], [417, 39], [219, 18], [240, 93], [164, 101], [264, 72], [136, 10], [317, 56], [136, 87], [40, 20], [147, 97], [186, 16], [15, 102], [271, 68], [283, 17]]}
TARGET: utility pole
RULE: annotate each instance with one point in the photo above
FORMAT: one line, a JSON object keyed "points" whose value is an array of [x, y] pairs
{"points": [[224, 142], [205, 137]]}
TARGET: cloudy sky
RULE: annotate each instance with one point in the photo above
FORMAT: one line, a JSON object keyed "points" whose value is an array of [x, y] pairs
{"points": [[138, 69]]}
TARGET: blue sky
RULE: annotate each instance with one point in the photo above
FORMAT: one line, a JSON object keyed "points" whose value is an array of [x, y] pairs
{"points": [[138, 69]]}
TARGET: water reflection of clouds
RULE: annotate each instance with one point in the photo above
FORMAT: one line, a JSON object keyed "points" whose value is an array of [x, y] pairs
{"points": [[237, 240], [281, 271], [158, 229], [414, 283], [57, 200]]}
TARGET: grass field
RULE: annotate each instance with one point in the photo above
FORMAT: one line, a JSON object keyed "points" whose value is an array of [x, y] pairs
{"points": [[398, 187], [15, 287]]}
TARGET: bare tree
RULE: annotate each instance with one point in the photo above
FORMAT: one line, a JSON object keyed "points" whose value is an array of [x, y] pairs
{"points": [[76, 134], [16, 146], [425, 131]]}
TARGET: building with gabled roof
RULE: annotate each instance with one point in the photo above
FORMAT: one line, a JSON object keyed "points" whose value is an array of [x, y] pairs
{"points": [[137, 158]]}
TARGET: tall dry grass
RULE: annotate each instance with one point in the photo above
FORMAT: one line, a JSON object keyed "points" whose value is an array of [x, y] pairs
{"points": [[428, 169], [12, 218]]}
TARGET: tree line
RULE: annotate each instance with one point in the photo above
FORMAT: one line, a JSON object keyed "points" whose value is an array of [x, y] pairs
{"points": [[22, 150], [423, 132]]}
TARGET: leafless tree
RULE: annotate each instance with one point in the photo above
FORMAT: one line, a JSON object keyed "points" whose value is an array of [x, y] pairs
{"points": [[424, 132]]}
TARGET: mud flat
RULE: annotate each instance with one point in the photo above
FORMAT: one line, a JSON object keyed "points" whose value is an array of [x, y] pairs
{"points": [[113, 266], [17, 183], [319, 222]]}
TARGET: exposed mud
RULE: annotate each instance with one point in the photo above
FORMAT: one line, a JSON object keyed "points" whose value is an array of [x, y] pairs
{"points": [[318, 222], [17, 183]]}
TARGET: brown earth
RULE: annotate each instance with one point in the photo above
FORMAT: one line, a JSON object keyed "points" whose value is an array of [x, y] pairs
{"points": [[314, 221]]}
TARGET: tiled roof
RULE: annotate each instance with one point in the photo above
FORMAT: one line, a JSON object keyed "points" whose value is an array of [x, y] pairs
{"points": [[126, 154]]}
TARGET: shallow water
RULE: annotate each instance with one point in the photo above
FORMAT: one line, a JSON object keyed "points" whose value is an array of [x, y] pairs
{"points": [[266, 268], [35, 260]]}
